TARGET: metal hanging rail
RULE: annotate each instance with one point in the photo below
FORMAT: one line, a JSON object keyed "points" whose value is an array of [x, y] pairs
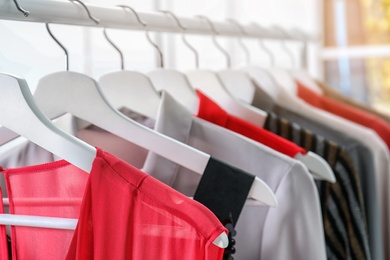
{"points": [[72, 13]]}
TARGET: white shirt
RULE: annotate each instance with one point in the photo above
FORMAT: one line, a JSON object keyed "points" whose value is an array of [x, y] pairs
{"points": [[292, 230]]}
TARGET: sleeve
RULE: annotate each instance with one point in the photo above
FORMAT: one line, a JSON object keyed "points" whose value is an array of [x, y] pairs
{"points": [[294, 230]]}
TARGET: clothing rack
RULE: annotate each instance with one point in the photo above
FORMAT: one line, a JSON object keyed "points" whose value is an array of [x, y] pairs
{"points": [[72, 13]]}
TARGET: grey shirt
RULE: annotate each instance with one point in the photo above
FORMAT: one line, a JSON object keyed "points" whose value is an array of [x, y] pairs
{"points": [[292, 230]]}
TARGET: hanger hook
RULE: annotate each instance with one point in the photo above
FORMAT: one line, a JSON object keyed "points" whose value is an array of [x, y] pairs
{"points": [[284, 46], [20, 9], [183, 36], [95, 20], [179, 24], [59, 44], [264, 47], [240, 41], [304, 52], [157, 48], [219, 47], [115, 47], [144, 24]]}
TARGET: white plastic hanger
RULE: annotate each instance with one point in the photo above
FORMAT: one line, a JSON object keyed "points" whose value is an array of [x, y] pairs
{"points": [[173, 81], [238, 79], [210, 83], [115, 86], [81, 96], [301, 74], [287, 78], [315, 163], [120, 85], [282, 76], [20, 114], [267, 81], [70, 92], [262, 74]]}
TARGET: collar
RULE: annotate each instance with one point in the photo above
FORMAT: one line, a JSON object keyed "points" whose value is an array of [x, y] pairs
{"points": [[174, 121]]}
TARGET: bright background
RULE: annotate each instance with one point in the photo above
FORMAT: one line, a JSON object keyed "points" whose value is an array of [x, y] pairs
{"points": [[27, 50]]}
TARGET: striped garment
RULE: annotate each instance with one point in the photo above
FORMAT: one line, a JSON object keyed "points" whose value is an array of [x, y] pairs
{"points": [[342, 202]]}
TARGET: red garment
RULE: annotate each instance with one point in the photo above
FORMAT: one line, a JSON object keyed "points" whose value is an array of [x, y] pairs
{"points": [[53, 190], [210, 111], [3, 234], [350, 113], [123, 214], [127, 214]]}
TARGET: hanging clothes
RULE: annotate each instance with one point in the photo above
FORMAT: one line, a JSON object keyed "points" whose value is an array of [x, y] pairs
{"points": [[362, 156], [259, 228], [118, 201], [149, 214], [360, 117], [210, 111], [256, 222], [342, 202], [337, 96]]}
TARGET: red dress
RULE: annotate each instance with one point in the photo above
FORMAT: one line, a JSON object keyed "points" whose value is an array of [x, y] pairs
{"points": [[124, 214]]}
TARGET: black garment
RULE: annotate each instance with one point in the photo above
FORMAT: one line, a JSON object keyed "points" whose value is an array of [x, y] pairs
{"points": [[342, 204], [224, 189], [364, 162], [360, 154]]}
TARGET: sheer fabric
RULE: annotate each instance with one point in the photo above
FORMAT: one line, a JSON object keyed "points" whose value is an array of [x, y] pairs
{"points": [[123, 214], [127, 214], [53, 190]]}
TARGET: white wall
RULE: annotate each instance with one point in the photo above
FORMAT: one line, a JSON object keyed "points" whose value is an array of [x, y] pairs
{"points": [[27, 50]]}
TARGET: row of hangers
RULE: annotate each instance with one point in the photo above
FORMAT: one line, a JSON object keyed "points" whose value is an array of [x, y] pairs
{"points": [[97, 103]]}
